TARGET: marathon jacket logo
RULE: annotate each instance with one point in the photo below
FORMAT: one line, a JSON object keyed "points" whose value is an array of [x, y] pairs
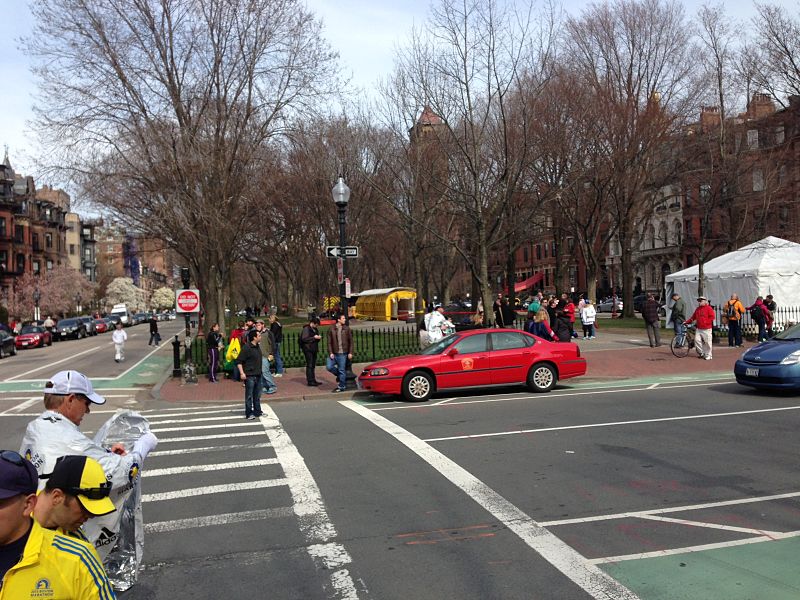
{"points": [[106, 538], [42, 589]]}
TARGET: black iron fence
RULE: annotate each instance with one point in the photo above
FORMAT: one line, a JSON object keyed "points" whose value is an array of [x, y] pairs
{"points": [[783, 317], [369, 345]]}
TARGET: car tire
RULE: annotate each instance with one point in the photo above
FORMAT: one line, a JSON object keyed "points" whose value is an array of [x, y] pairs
{"points": [[542, 377], [13, 350], [417, 386]]}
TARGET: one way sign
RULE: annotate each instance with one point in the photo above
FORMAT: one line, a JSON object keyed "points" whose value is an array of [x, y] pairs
{"points": [[334, 251]]}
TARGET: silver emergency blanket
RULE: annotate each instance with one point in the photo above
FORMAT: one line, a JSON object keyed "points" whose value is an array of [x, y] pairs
{"points": [[126, 525]]}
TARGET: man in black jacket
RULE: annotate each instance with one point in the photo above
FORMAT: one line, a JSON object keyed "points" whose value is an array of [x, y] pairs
{"points": [[652, 320], [154, 337], [249, 364], [309, 344]]}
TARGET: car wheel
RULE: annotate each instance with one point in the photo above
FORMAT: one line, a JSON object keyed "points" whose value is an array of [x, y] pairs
{"points": [[542, 378], [13, 350], [417, 386]]}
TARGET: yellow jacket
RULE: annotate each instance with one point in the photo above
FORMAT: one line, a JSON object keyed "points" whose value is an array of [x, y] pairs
{"points": [[56, 567]]}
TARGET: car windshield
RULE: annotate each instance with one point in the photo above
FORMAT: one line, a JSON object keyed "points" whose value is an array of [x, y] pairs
{"points": [[441, 345], [31, 329], [791, 334], [68, 322]]}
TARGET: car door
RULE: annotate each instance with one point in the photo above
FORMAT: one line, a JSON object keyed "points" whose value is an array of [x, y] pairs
{"points": [[510, 356], [466, 363]]}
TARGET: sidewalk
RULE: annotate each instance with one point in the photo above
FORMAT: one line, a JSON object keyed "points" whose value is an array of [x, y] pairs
{"points": [[614, 356]]}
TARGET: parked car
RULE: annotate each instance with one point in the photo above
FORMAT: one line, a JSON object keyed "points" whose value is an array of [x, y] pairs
{"points": [[101, 325], [114, 319], [608, 306], [772, 365], [140, 318], [70, 328], [88, 322], [7, 344], [33, 336], [475, 358]]}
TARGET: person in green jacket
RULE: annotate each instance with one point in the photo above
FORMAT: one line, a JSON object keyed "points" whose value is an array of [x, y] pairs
{"points": [[678, 315]]}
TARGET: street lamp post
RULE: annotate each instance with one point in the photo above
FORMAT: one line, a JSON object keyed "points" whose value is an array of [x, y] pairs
{"points": [[37, 295], [341, 196]]}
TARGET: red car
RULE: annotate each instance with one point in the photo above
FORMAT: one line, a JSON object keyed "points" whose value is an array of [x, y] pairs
{"points": [[476, 358], [33, 336], [100, 325]]}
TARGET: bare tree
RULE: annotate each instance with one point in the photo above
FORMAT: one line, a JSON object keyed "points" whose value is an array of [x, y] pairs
{"points": [[636, 57], [778, 43], [164, 111]]}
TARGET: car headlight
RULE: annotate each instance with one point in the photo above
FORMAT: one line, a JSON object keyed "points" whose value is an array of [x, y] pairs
{"points": [[379, 371], [792, 359]]}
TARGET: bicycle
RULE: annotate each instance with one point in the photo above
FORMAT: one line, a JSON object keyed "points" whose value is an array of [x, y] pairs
{"points": [[683, 343]]}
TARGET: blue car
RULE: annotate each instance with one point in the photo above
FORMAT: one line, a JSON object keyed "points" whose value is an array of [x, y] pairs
{"points": [[772, 365]]}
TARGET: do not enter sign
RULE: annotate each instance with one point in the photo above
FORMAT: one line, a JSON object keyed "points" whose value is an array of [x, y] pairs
{"points": [[187, 301]]}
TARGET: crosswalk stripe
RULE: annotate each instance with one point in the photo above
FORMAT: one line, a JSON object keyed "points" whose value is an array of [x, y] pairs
{"points": [[222, 519], [218, 436], [214, 489], [239, 410], [220, 426], [244, 464], [208, 449], [237, 415], [182, 409]]}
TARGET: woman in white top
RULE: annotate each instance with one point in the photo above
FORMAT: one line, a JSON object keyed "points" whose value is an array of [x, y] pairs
{"points": [[588, 316], [119, 337]]}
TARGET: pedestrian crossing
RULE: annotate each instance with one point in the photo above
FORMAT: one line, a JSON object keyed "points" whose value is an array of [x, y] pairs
{"points": [[218, 485]]}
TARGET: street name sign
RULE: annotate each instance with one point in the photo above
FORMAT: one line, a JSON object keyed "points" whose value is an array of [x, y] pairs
{"points": [[187, 301]]}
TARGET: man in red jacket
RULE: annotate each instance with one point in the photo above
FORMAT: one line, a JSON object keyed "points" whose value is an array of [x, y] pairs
{"points": [[704, 316]]}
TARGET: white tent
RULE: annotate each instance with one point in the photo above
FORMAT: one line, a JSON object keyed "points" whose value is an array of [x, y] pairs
{"points": [[769, 266]]}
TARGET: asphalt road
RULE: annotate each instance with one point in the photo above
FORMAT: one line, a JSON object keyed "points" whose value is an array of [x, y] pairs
{"points": [[661, 491]]}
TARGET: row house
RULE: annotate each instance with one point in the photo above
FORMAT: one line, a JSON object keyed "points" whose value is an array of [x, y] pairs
{"points": [[32, 227], [82, 245]]}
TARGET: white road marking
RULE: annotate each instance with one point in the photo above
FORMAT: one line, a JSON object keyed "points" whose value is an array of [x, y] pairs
{"points": [[50, 365], [654, 386], [707, 525], [310, 510], [673, 509], [221, 519], [208, 449], [244, 464], [238, 415], [578, 569], [239, 410], [166, 411], [445, 401], [197, 438], [611, 424], [688, 549], [531, 396], [197, 427], [19, 407], [213, 489]]}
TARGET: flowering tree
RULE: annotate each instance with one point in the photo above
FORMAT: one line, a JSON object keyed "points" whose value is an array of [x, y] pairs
{"points": [[163, 298], [122, 291], [60, 291]]}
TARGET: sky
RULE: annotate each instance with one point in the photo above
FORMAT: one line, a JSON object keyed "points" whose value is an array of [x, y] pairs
{"points": [[364, 32]]}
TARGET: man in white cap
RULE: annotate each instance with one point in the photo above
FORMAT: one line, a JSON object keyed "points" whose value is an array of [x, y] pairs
{"points": [[68, 397], [704, 316]]}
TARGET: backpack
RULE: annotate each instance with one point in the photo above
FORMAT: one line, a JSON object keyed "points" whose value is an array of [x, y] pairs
{"points": [[756, 313], [731, 311]]}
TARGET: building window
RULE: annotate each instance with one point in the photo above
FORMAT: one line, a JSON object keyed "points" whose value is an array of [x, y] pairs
{"points": [[524, 257], [111, 260], [781, 174], [752, 139], [48, 240], [538, 252], [20, 263], [676, 233], [554, 249], [49, 265], [19, 234], [758, 180], [35, 242], [87, 253], [72, 249], [88, 272], [2, 227], [36, 267], [688, 230], [3, 260], [705, 192], [87, 233], [780, 136], [110, 248], [688, 197]]}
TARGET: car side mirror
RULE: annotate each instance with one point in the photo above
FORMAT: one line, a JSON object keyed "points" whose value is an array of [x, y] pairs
{"points": [[452, 352]]}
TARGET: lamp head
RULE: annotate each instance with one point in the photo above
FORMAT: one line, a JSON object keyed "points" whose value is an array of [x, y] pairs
{"points": [[341, 193]]}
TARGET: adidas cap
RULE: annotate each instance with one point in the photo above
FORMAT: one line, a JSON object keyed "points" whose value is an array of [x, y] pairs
{"points": [[84, 478]]}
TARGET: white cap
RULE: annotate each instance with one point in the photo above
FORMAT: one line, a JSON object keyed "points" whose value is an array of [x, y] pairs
{"points": [[64, 383]]}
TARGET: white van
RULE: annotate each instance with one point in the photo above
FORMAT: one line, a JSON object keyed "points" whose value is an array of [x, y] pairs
{"points": [[121, 310]]}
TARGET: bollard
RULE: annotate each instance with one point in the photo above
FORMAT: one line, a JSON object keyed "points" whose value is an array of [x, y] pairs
{"points": [[176, 358]]}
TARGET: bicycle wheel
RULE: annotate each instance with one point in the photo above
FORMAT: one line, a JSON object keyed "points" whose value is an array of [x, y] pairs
{"points": [[680, 346]]}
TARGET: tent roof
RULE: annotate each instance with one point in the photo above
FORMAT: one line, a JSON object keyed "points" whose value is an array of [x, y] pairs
{"points": [[384, 291], [770, 256]]}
